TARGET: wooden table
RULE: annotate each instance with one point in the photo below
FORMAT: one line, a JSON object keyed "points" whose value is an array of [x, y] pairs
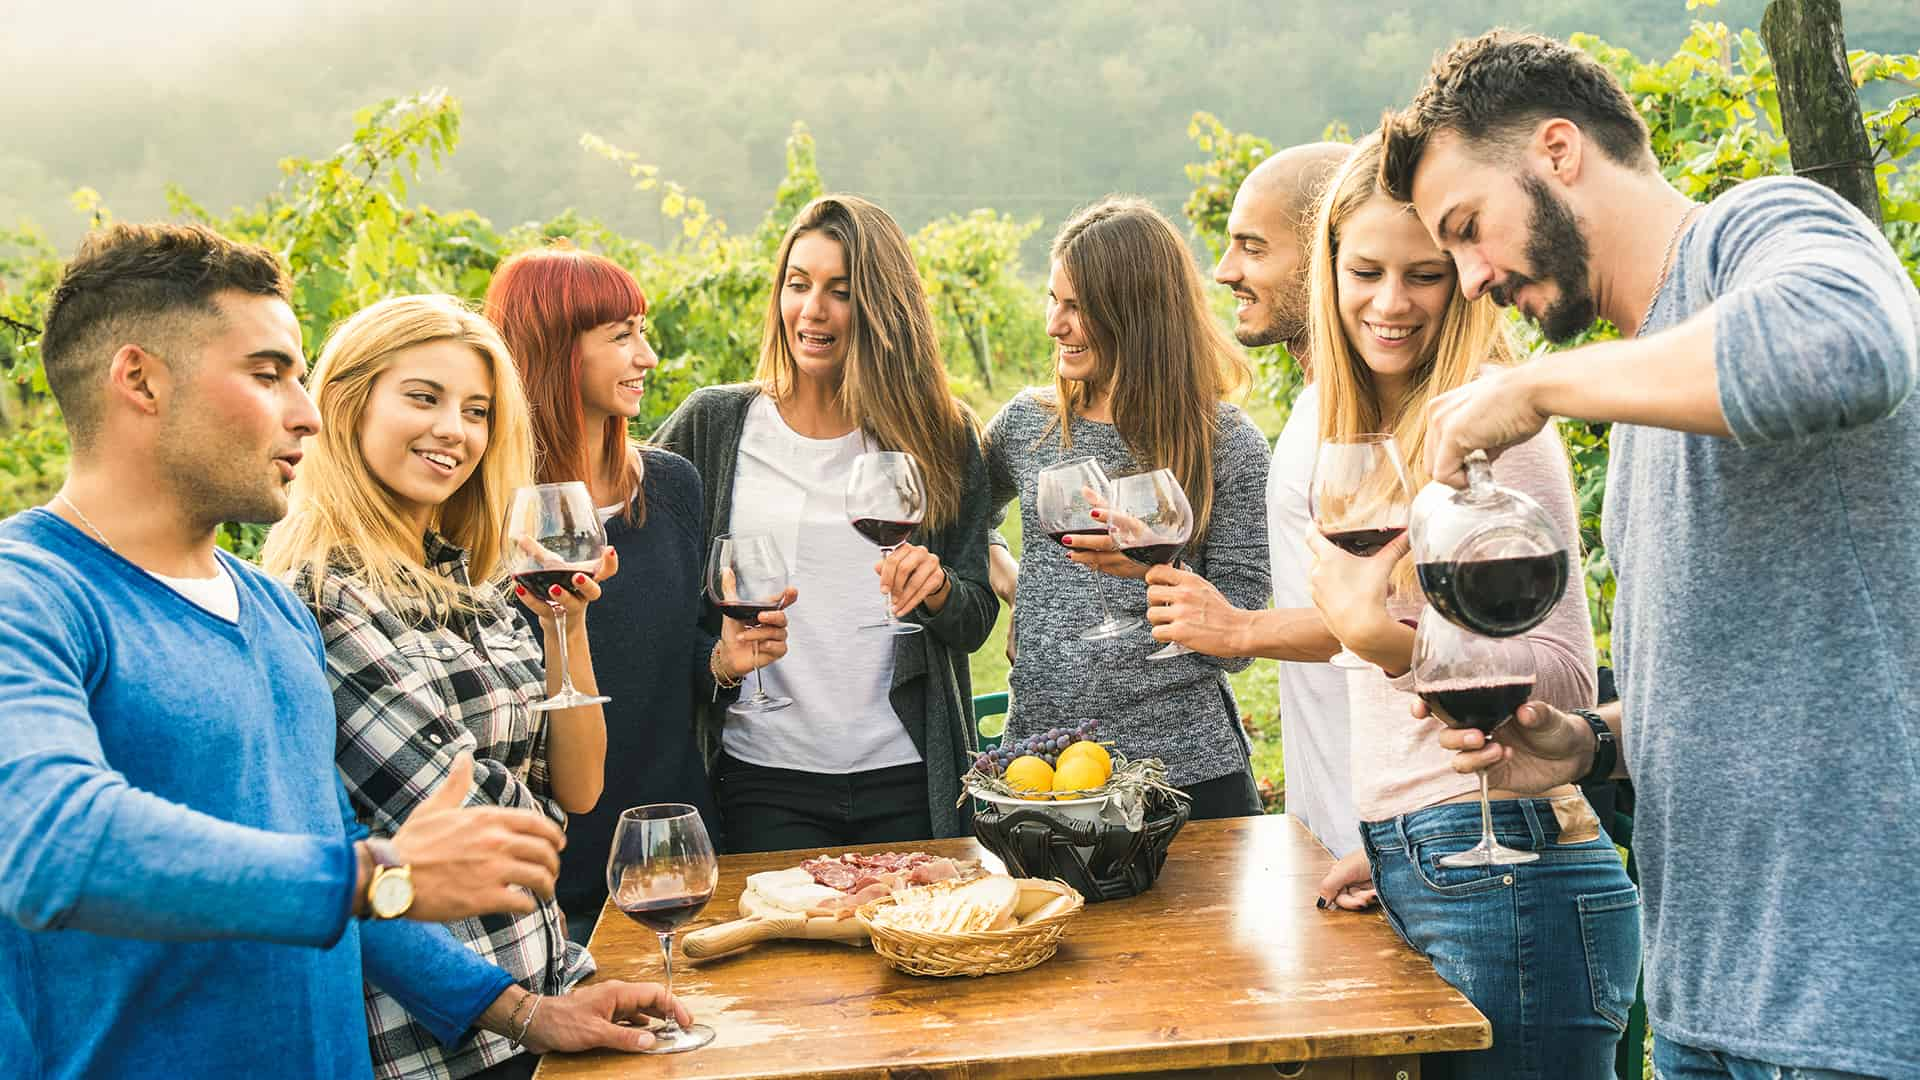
{"points": [[1224, 967]]}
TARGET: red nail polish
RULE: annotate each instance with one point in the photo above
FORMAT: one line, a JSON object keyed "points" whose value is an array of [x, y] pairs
{"points": [[579, 579], [1067, 540], [555, 592], [519, 590]]}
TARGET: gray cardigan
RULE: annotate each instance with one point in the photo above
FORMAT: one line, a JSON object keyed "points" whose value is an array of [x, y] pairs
{"points": [[932, 690]]}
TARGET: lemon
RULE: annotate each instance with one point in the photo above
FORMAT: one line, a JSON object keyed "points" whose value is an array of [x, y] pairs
{"points": [[992, 727], [1030, 774], [1091, 751], [1083, 773]]}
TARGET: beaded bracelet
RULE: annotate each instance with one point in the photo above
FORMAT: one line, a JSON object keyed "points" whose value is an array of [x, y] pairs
{"points": [[723, 681]]}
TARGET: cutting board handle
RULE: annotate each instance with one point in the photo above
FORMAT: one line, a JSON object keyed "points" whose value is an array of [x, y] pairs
{"points": [[738, 934]]}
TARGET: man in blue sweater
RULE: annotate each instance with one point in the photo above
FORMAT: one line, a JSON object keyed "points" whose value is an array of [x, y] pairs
{"points": [[180, 871], [1761, 520]]}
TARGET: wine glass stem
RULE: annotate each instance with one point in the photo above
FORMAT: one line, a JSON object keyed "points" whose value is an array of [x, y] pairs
{"points": [[560, 632], [759, 679], [666, 960], [1100, 590], [1486, 814], [886, 595]]}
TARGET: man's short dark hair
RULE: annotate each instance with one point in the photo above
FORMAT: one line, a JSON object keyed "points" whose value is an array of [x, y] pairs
{"points": [[1494, 89], [140, 285]]}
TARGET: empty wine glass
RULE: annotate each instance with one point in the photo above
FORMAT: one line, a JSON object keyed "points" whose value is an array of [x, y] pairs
{"points": [[661, 873], [1359, 501], [1066, 494], [1152, 522], [886, 501], [1469, 680], [552, 534], [747, 577]]}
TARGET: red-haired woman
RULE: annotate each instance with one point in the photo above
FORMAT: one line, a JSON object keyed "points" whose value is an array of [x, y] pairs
{"points": [[576, 324]]}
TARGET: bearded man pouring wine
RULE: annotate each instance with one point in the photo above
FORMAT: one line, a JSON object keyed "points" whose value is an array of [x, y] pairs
{"points": [[1760, 520]]}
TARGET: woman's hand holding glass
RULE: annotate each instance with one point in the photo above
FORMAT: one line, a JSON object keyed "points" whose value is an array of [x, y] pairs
{"points": [[748, 647], [1102, 553], [910, 575], [582, 591], [554, 543], [1351, 593]]}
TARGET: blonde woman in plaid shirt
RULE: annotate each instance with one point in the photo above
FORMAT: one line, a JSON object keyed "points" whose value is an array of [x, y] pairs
{"points": [[393, 537]]}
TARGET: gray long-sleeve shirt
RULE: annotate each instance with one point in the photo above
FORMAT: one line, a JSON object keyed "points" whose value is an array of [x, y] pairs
{"points": [[1180, 710], [1768, 639]]}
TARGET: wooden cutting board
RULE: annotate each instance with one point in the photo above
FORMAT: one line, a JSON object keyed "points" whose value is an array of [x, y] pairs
{"points": [[765, 918]]}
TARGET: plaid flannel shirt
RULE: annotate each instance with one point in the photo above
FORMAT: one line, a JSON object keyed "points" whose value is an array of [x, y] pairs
{"points": [[410, 696]]}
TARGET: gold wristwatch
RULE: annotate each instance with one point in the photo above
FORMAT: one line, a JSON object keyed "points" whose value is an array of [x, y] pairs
{"points": [[390, 891]]}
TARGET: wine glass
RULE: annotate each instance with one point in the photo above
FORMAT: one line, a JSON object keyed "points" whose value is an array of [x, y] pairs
{"points": [[1469, 680], [1359, 501], [746, 577], [660, 873], [1152, 522], [1067, 493], [886, 501], [552, 534]]}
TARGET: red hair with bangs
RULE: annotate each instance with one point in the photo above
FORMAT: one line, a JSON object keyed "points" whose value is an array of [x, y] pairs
{"points": [[542, 301]]}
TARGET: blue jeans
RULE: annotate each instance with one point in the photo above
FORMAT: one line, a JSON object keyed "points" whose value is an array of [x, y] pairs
{"points": [[1549, 951], [1678, 1061]]}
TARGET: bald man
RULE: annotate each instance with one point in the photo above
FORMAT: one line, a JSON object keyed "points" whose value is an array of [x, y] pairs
{"points": [[1265, 266]]}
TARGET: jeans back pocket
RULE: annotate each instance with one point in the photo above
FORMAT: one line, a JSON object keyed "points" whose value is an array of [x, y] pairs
{"points": [[1610, 930]]}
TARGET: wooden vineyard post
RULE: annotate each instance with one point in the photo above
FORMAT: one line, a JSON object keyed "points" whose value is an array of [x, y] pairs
{"points": [[1818, 105]]}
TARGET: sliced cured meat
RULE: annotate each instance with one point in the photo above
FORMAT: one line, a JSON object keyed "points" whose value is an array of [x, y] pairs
{"points": [[859, 879]]}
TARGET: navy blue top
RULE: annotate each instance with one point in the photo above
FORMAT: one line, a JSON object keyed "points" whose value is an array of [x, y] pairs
{"points": [[650, 657]]}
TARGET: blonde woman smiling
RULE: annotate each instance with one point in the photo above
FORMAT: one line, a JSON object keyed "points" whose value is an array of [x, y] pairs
{"points": [[394, 539]]}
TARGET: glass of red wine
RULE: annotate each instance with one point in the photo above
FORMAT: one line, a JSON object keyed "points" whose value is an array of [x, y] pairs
{"points": [[1359, 501], [1152, 522], [1066, 494], [746, 578], [552, 534], [660, 873], [886, 501], [1469, 680]]}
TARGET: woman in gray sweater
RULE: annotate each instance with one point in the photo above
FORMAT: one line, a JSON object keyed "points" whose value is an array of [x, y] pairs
{"points": [[1142, 372], [879, 732]]}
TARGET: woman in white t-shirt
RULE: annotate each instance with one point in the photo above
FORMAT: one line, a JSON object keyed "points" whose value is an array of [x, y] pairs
{"points": [[879, 732]]}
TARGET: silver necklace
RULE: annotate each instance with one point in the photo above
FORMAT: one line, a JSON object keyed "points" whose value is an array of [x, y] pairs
{"points": [[1666, 267], [61, 495]]}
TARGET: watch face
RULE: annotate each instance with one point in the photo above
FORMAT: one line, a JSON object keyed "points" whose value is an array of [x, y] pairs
{"points": [[392, 895]]}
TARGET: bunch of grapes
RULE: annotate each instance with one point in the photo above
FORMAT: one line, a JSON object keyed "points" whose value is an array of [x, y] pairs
{"points": [[1045, 745]]}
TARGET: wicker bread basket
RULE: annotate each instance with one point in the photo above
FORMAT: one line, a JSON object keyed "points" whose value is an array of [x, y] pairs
{"points": [[984, 952]]}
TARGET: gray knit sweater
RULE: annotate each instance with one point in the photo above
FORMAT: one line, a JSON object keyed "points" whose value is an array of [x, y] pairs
{"points": [[1180, 710]]}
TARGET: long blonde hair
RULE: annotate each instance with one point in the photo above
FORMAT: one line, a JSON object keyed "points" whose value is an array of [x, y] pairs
{"points": [[1168, 362], [339, 510], [895, 384], [1471, 333]]}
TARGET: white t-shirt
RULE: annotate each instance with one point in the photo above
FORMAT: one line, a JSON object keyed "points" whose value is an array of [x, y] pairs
{"points": [[1315, 728], [217, 594], [841, 721]]}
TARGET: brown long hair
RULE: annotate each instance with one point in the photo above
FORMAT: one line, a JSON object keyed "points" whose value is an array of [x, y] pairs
{"points": [[542, 301], [1157, 345], [895, 383]]}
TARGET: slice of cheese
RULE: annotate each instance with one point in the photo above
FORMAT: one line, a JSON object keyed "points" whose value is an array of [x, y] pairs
{"points": [[790, 890]]}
